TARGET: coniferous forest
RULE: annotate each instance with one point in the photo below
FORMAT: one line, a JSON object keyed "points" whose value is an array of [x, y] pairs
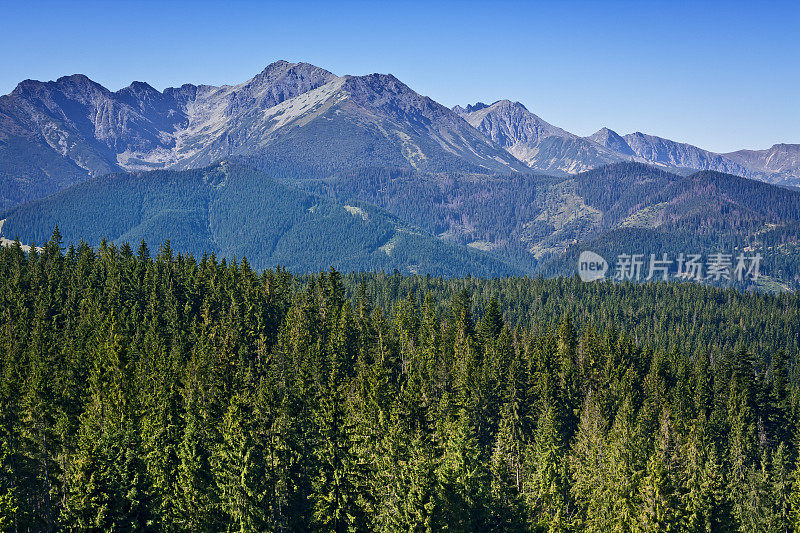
{"points": [[155, 391]]}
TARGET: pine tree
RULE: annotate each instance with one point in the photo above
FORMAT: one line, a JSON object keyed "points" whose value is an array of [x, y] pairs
{"points": [[197, 506], [338, 488], [491, 323], [513, 427], [407, 476], [239, 469], [463, 481], [704, 500], [569, 383], [780, 490], [547, 483], [660, 508], [587, 459], [107, 482], [655, 493], [794, 497], [9, 504], [161, 432]]}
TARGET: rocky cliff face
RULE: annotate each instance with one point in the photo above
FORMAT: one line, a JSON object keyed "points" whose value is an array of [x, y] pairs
{"points": [[674, 154], [613, 141], [305, 119], [509, 123], [296, 109], [782, 161], [543, 146], [534, 141], [779, 164]]}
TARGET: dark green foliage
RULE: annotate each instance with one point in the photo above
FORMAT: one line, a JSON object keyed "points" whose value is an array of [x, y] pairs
{"points": [[450, 222], [649, 211], [30, 170], [235, 211], [166, 394]]}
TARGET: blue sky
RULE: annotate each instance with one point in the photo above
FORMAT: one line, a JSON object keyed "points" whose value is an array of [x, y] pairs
{"points": [[719, 75]]}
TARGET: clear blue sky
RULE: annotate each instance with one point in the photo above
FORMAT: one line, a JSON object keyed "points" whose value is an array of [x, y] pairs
{"points": [[719, 75]]}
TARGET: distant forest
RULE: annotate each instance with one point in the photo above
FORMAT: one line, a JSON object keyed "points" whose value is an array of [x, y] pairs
{"points": [[449, 224], [162, 392]]}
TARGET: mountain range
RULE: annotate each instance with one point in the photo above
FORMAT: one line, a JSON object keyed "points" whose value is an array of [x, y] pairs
{"points": [[296, 115], [308, 169], [545, 147], [292, 114]]}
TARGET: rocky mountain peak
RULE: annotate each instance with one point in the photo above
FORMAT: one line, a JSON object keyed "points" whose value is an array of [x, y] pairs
{"points": [[76, 86], [280, 81], [378, 83], [387, 93], [612, 140], [535, 141], [305, 115], [25, 87], [470, 108], [138, 91], [79, 85], [508, 123], [139, 87], [291, 73], [511, 105]]}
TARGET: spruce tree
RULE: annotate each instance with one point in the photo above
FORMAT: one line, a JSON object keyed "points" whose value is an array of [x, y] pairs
{"points": [[546, 489], [463, 480], [239, 469], [107, 482], [339, 497]]}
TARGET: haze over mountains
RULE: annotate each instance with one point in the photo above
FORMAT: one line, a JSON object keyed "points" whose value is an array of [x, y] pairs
{"points": [[308, 169]]}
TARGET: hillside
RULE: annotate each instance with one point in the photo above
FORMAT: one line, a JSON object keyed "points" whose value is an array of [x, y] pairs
{"points": [[534, 219], [427, 222], [655, 212], [235, 211]]}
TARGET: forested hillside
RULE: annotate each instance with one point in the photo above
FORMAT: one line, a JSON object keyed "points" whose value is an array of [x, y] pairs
{"points": [[235, 211], [442, 224], [171, 394]]}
